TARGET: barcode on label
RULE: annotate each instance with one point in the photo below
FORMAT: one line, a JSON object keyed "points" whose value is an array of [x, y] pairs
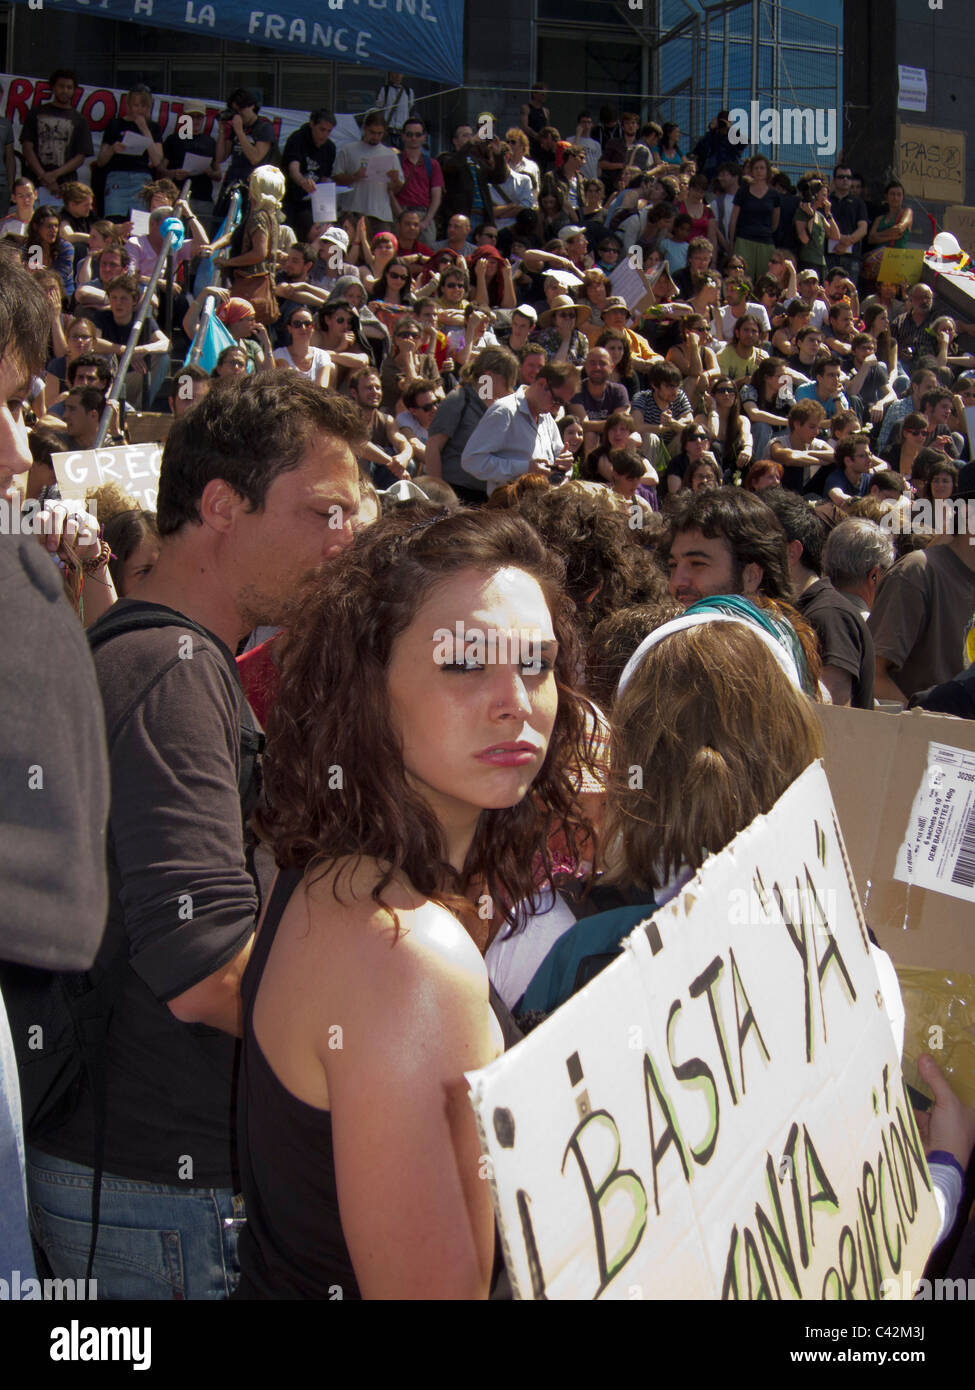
{"points": [[964, 870]]}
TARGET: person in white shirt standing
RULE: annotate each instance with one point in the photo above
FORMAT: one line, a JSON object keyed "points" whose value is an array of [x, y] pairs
{"points": [[370, 171], [593, 149], [395, 101]]}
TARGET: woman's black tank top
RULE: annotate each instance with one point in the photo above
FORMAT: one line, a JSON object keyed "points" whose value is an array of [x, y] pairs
{"points": [[292, 1246]]}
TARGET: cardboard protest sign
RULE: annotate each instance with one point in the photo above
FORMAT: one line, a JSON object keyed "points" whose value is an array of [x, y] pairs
{"points": [[899, 265], [720, 1113], [960, 221], [904, 790], [931, 163], [135, 467]]}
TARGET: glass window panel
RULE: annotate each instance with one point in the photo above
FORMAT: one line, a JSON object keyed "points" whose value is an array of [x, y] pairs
{"points": [[356, 88], [304, 86], [259, 80]]}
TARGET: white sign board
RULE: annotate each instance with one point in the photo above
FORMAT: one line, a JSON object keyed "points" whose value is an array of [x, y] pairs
{"points": [[912, 90], [720, 1113], [135, 467]]}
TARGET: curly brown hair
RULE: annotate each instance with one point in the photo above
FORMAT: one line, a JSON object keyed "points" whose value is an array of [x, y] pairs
{"points": [[333, 711], [583, 525]]}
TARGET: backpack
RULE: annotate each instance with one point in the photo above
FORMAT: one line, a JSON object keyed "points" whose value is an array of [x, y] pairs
{"points": [[59, 1020]]}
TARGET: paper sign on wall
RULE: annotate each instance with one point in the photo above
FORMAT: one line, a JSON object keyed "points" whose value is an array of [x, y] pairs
{"points": [[912, 90], [720, 1113]]}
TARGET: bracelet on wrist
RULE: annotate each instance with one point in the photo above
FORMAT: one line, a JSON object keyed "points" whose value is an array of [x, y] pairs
{"points": [[99, 561]]}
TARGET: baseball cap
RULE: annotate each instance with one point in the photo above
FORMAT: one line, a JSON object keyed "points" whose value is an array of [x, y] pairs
{"points": [[337, 236], [194, 108], [526, 311], [567, 232], [807, 275], [615, 302]]}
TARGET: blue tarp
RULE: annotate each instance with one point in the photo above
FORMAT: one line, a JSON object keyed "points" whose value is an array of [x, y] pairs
{"points": [[422, 38]]}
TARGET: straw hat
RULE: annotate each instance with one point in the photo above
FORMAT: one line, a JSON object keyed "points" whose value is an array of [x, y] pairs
{"points": [[562, 301]]}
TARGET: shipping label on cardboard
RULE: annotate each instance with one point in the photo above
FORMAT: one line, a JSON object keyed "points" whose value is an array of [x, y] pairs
{"points": [[938, 850]]}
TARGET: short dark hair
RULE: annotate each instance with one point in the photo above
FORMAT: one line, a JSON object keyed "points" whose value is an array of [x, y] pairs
{"points": [[742, 519], [321, 113], [191, 372], [60, 73], [800, 523], [415, 120], [821, 363], [664, 374], [626, 463], [242, 96], [247, 433], [90, 359], [416, 388], [91, 400], [374, 118], [935, 397], [127, 283]]}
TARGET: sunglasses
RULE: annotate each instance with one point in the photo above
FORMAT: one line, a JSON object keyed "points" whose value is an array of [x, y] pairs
{"points": [[341, 319], [408, 337], [427, 405], [302, 323], [697, 439], [724, 390], [396, 275]]}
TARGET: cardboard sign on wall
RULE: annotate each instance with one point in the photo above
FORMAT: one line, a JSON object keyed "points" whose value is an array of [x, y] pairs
{"points": [[931, 163]]}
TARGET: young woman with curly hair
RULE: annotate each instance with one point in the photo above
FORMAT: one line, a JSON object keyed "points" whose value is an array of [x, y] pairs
{"points": [[420, 760]]}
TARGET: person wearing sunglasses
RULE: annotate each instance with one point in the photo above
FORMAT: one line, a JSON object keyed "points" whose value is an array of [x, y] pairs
{"points": [[420, 401], [392, 294], [337, 335], [405, 363], [300, 356], [695, 445]]}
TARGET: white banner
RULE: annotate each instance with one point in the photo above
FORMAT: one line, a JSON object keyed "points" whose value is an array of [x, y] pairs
{"points": [[720, 1113], [99, 105]]}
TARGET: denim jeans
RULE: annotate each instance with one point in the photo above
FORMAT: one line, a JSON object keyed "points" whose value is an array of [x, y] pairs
{"points": [[154, 1241], [122, 190]]}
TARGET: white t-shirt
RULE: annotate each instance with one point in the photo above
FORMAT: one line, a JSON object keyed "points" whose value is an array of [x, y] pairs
{"points": [[319, 359], [517, 188], [594, 153], [370, 196], [728, 319], [526, 166]]}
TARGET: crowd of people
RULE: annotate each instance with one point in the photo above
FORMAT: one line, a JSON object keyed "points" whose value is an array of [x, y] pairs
{"points": [[644, 533]]}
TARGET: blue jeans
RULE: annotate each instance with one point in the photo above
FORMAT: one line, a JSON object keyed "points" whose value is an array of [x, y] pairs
{"points": [[154, 1241], [122, 190]]}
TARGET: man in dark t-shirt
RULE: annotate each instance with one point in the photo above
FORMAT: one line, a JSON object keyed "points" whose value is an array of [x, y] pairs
{"points": [[55, 139], [248, 138], [236, 543], [598, 397], [177, 147], [845, 644], [309, 155]]}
